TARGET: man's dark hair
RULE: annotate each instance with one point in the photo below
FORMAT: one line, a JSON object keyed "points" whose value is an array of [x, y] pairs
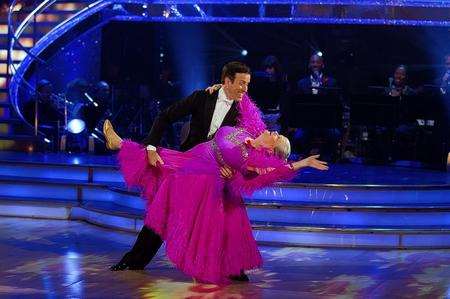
{"points": [[232, 68]]}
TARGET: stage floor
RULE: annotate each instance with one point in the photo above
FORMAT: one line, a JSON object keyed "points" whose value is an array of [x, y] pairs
{"points": [[58, 258], [341, 174]]}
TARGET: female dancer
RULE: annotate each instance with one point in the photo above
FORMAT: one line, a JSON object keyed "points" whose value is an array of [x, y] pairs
{"points": [[200, 215]]}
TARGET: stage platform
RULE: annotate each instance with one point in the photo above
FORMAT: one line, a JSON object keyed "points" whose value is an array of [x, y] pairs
{"points": [[348, 206]]}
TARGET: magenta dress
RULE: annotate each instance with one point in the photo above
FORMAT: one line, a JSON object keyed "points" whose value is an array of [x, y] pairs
{"points": [[202, 217]]}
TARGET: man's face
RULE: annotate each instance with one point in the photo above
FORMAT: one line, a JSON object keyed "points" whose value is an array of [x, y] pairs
{"points": [[237, 87], [316, 63], [400, 76]]}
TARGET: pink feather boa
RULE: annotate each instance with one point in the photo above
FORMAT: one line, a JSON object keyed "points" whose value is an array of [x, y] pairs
{"points": [[250, 117]]}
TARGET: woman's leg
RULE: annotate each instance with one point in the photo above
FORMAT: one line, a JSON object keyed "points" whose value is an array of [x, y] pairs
{"points": [[113, 141]]}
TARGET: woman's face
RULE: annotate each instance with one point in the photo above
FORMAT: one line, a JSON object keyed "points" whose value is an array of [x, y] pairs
{"points": [[269, 139]]}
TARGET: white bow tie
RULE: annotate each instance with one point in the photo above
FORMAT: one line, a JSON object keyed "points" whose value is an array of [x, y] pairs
{"points": [[228, 102]]}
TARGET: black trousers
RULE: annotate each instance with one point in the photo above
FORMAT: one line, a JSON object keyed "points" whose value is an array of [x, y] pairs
{"points": [[144, 249]]}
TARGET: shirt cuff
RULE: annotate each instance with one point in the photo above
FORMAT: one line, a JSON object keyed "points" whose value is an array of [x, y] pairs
{"points": [[150, 148]]}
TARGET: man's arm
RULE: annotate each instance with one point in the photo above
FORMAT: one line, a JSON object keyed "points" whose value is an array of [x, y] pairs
{"points": [[170, 115]]}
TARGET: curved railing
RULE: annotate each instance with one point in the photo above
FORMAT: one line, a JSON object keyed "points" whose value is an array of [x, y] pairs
{"points": [[18, 73]]}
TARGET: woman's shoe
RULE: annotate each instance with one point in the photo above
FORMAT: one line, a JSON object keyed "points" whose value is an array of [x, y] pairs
{"points": [[112, 139]]}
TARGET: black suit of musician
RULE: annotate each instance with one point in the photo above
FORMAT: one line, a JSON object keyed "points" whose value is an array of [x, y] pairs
{"points": [[206, 111]]}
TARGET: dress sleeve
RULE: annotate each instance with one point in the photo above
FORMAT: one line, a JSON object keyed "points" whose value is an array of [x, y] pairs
{"points": [[270, 169], [245, 185]]}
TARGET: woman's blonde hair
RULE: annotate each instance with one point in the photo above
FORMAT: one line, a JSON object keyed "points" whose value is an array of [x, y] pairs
{"points": [[283, 147]]}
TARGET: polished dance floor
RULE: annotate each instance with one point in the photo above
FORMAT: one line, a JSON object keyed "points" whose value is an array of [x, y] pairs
{"points": [[69, 259]]}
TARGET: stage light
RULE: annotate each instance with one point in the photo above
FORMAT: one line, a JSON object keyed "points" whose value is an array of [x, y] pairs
{"points": [[161, 55], [244, 52], [90, 99], [144, 6], [47, 140], [319, 53], [76, 126], [96, 136]]}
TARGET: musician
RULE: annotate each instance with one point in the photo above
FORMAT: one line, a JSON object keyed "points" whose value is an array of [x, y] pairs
{"points": [[316, 82], [268, 85], [398, 83], [445, 80], [314, 140], [406, 131]]}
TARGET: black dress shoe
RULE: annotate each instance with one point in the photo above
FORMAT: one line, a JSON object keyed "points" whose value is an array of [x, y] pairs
{"points": [[242, 277], [126, 264]]}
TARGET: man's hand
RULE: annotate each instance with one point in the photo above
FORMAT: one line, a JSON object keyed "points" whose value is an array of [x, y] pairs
{"points": [[154, 158], [260, 171], [226, 172], [212, 89]]}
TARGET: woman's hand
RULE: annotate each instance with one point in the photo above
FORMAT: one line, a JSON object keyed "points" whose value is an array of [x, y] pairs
{"points": [[212, 89], [311, 161]]}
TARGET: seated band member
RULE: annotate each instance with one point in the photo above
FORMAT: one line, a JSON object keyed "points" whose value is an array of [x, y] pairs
{"points": [[200, 215], [317, 81], [305, 139], [444, 82], [398, 83]]}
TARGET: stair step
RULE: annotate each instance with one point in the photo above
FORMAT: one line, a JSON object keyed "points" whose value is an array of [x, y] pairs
{"points": [[354, 229], [37, 201], [48, 181], [273, 233], [301, 205], [44, 210], [113, 209]]}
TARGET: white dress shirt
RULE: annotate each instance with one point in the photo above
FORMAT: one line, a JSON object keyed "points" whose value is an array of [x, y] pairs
{"points": [[223, 105]]}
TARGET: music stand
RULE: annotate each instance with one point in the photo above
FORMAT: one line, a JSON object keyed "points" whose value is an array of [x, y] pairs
{"points": [[315, 111], [374, 110]]}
